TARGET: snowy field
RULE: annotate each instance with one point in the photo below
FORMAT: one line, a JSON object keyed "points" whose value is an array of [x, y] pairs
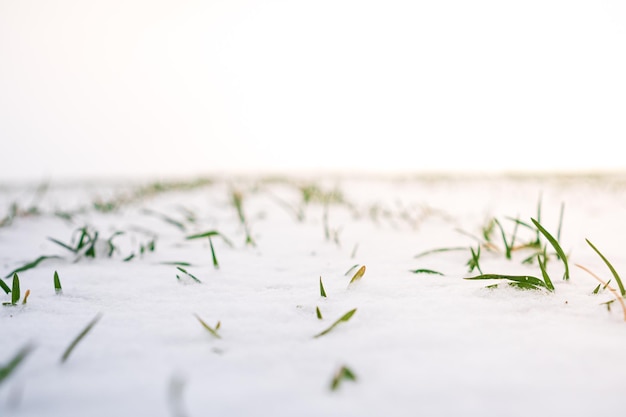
{"points": [[425, 343]]}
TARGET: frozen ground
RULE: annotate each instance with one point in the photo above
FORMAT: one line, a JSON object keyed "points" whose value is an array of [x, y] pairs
{"points": [[418, 344]]}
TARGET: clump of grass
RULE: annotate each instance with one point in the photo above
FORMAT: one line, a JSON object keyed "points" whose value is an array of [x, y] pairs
{"points": [[322, 290], [358, 275], [210, 329], [346, 317], [68, 351], [7, 370], [342, 374], [57, 284]]}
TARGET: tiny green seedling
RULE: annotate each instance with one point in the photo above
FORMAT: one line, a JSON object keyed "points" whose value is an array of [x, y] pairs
{"points": [[237, 199], [216, 265], [209, 234], [343, 374], [15, 292], [318, 313], [358, 275], [211, 330], [57, 284], [474, 262], [68, 351], [343, 318], [322, 291], [4, 287], [11, 366]]}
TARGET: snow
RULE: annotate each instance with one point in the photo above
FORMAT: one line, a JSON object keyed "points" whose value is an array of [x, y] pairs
{"points": [[418, 344]]}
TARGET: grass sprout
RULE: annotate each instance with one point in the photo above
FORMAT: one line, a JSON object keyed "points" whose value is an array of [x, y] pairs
{"points": [[208, 328], [15, 291], [322, 290], [608, 264], [57, 284], [318, 313], [7, 370], [358, 275], [474, 263], [342, 374], [342, 319], [615, 293], [68, 351], [555, 245], [209, 234]]}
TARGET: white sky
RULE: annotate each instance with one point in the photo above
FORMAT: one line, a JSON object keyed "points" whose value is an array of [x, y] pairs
{"points": [[111, 87]]}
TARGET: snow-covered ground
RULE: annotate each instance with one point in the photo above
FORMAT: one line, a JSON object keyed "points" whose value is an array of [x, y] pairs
{"points": [[418, 344]]}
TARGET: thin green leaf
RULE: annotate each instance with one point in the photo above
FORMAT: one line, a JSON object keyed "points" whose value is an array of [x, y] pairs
{"points": [[322, 291], [15, 290], [190, 275], [426, 271], [57, 284], [343, 374], [209, 234], [358, 275], [80, 337], [215, 263], [507, 246], [31, 265], [524, 279], [439, 250], [63, 245], [318, 313], [343, 318], [352, 268], [5, 287], [208, 328], [176, 263], [9, 368], [544, 273], [555, 245], [613, 271]]}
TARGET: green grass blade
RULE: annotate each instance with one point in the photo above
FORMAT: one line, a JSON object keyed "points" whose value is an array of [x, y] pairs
{"points": [[426, 271], [318, 313], [176, 263], [439, 250], [322, 291], [63, 245], [5, 287], [544, 273], [507, 246], [80, 337], [190, 275], [524, 279], [351, 269], [343, 374], [15, 290], [9, 368], [210, 234], [216, 265], [209, 328], [613, 271], [555, 245], [57, 284], [343, 318], [31, 265]]}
